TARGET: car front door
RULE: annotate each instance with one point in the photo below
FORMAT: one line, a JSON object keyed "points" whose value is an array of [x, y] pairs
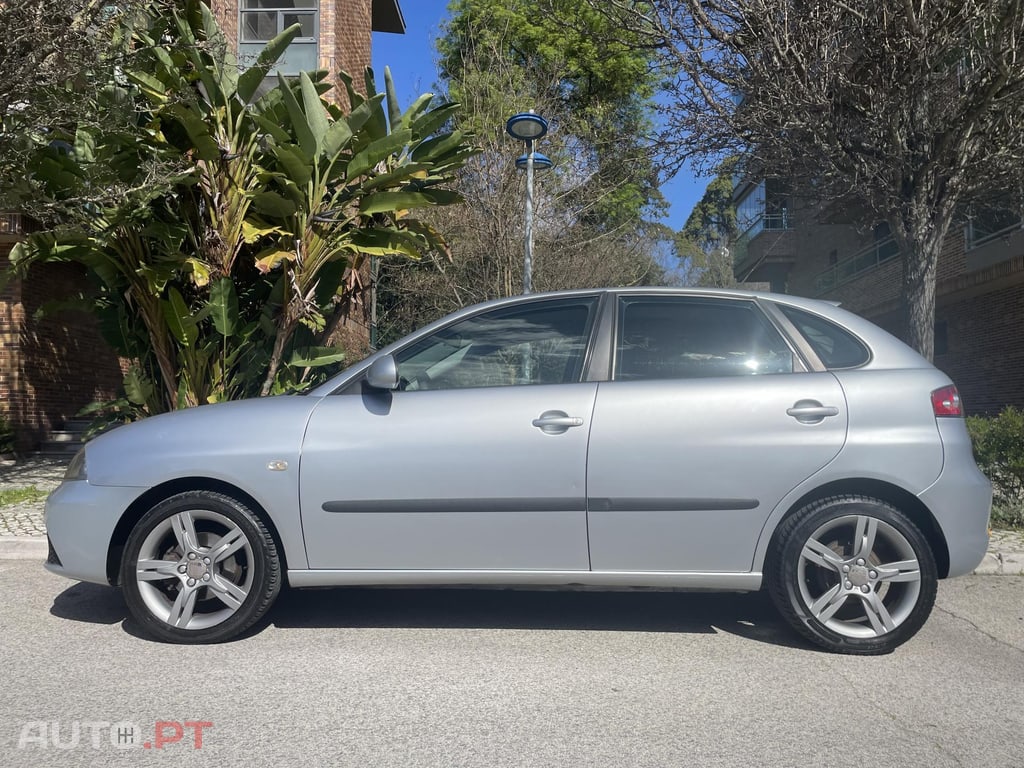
{"points": [[709, 421], [476, 462]]}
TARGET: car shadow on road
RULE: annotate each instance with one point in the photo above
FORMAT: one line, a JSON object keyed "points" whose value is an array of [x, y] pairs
{"points": [[750, 616], [90, 603]]}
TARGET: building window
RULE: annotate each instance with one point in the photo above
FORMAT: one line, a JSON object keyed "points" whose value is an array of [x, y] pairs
{"points": [[262, 20], [764, 207], [991, 222]]}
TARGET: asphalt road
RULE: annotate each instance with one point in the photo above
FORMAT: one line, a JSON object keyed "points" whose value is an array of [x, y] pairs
{"points": [[500, 678]]}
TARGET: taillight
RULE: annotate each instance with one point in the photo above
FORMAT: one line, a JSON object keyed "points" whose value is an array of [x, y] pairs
{"points": [[946, 402]]}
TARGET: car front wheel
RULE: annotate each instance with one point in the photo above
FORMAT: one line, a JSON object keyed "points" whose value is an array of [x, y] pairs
{"points": [[852, 574], [199, 567]]}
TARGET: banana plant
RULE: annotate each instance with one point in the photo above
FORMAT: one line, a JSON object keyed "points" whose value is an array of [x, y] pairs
{"points": [[223, 232], [342, 188]]}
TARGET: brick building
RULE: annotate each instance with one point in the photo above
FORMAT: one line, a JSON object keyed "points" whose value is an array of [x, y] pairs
{"points": [[51, 367], [335, 34], [979, 313]]}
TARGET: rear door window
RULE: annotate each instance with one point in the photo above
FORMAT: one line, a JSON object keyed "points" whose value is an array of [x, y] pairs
{"points": [[671, 337]]}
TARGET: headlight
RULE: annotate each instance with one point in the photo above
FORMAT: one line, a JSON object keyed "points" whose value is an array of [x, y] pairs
{"points": [[76, 469]]}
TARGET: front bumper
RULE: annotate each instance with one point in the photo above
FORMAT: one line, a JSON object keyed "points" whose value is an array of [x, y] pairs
{"points": [[80, 520]]}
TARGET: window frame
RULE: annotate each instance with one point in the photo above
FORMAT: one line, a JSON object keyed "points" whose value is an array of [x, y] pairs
{"points": [[309, 8], [592, 301], [752, 304]]}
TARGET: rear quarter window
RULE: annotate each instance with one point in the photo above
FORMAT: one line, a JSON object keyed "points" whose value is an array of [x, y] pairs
{"points": [[835, 346]]}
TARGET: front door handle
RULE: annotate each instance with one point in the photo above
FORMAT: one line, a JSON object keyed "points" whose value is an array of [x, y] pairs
{"points": [[811, 411], [556, 422]]}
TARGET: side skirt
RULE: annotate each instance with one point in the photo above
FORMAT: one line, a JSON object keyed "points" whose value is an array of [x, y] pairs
{"points": [[726, 582]]}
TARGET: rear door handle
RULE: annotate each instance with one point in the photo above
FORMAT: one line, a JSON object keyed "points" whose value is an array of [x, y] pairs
{"points": [[556, 422], [811, 411]]}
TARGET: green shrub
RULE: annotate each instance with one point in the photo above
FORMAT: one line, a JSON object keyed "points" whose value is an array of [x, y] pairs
{"points": [[999, 449]]}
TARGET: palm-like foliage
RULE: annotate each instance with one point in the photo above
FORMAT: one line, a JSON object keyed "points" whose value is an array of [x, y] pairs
{"points": [[226, 232]]}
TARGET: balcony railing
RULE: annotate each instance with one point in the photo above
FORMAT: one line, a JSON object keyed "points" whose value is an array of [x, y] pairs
{"points": [[767, 222], [13, 224], [855, 265]]}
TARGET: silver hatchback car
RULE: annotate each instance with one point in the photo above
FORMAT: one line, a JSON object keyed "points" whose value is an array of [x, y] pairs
{"points": [[667, 438]]}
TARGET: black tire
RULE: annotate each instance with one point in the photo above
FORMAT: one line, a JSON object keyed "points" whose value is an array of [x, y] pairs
{"points": [[863, 598], [203, 581]]}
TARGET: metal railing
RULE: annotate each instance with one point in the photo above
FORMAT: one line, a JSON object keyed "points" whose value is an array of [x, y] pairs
{"points": [[11, 224], [855, 265]]}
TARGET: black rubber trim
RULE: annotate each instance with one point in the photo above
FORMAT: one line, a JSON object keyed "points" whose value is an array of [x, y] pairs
{"points": [[670, 505], [405, 506]]}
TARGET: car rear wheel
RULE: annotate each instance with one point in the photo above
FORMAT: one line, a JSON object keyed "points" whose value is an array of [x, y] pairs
{"points": [[199, 567], [852, 574]]}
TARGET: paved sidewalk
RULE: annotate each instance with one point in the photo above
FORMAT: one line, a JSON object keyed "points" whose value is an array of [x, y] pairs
{"points": [[23, 534]]}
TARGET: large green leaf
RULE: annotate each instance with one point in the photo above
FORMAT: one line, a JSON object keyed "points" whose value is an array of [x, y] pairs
{"points": [[273, 204], [401, 175], [314, 357], [152, 86], [388, 202], [433, 149], [388, 242], [224, 306], [316, 114], [395, 114], [377, 151], [138, 387], [295, 164], [433, 120], [179, 320], [299, 123], [337, 138], [416, 109], [272, 127], [198, 130]]}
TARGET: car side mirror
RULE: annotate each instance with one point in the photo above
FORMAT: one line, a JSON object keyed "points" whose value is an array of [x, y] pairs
{"points": [[383, 373]]}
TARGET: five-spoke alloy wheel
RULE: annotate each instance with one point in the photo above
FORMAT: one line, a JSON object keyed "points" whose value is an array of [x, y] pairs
{"points": [[852, 574], [199, 567]]}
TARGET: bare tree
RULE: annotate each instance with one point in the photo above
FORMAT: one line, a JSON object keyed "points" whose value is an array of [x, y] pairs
{"points": [[908, 110], [589, 229], [486, 236]]}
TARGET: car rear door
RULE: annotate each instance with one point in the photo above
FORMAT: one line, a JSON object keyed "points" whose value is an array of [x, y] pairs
{"points": [[709, 421]]}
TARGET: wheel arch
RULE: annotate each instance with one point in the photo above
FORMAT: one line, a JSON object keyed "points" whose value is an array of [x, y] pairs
{"points": [[900, 498], [158, 493]]}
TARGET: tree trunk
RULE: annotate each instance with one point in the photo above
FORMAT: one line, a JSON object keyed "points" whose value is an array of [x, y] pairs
{"points": [[920, 230], [918, 296]]}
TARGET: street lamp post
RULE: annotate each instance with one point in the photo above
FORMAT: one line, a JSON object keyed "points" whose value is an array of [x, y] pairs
{"points": [[528, 127]]}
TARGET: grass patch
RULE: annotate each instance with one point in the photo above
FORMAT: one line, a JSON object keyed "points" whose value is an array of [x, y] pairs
{"points": [[22, 496]]}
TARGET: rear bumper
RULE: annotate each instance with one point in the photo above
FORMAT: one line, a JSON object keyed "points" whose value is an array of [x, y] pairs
{"points": [[960, 499]]}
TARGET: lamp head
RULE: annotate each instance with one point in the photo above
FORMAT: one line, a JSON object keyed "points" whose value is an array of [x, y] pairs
{"points": [[526, 126]]}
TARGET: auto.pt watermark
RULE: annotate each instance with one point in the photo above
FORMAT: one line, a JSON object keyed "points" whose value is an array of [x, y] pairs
{"points": [[124, 734]]}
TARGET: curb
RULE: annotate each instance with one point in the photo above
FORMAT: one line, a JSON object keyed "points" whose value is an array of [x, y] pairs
{"points": [[23, 548], [1002, 564]]}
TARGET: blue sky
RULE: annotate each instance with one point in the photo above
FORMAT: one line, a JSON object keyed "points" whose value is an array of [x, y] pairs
{"points": [[411, 58]]}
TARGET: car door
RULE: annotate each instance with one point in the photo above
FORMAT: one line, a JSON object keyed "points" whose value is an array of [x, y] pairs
{"points": [[476, 462], [709, 421]]}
